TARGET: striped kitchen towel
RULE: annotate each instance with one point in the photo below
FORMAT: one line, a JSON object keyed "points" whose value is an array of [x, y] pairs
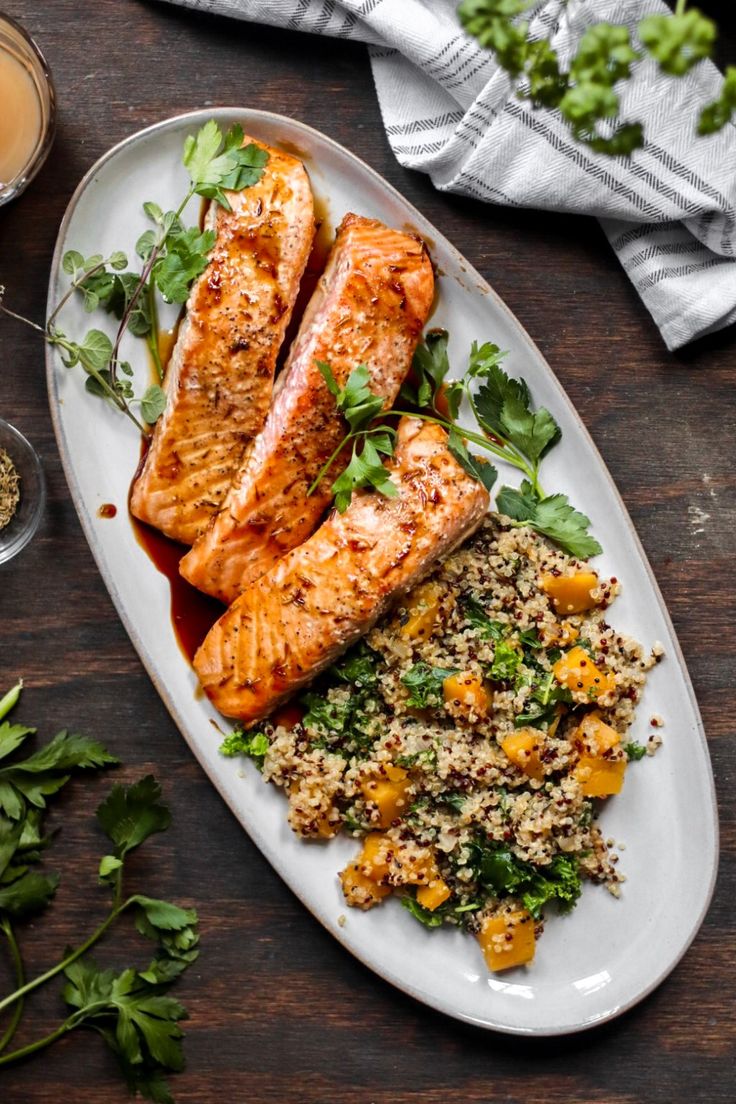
{"points": [[669, 211]]}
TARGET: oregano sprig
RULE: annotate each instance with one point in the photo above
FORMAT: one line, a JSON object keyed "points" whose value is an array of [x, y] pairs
{"points": [[172, 255]]}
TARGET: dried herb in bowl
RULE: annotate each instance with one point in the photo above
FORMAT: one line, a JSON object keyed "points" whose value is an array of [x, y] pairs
{"points": [[9, 489]]}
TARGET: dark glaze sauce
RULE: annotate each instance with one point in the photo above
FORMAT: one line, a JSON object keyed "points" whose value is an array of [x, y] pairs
{"points": [[107, 510], [192, 613]]}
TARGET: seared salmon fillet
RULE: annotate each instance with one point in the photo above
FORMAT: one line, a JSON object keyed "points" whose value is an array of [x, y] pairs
{"points": [[220, 377], [320, 598], [369, 308]]}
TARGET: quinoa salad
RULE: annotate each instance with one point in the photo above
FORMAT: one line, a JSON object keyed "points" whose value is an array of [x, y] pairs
{"points": [[468, 741]]}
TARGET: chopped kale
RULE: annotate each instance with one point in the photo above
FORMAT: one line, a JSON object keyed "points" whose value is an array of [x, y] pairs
{"points": [[424, 684], [506, 662], [479, 619], [358, 667], [424, 916], [239, 742], [504, 875]]}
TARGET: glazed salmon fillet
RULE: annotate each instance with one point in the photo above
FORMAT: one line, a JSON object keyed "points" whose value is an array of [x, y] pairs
{"points": [[219, 380], [369, 308], [320, 598]]}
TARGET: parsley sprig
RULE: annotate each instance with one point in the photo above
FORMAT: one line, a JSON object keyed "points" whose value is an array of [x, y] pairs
{"points": [[130, 1009], [509, 428], [370, 441], [171, 256], [584, 93]]}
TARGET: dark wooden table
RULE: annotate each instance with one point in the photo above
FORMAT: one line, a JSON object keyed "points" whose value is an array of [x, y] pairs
{"points": [[279, 1012]]}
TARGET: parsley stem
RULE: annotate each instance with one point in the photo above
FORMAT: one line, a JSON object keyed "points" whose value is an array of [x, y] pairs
{"points": [[9, 700], [511, 457], [328, 463], [68, 960], [19, 980], [40, 1044]]}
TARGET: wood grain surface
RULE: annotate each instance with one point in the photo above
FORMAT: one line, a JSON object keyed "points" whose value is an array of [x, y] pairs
{"points": [[279, 1011]]}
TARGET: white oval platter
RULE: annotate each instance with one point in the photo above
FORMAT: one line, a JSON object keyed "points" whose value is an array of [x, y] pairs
{"points": [[608, 953]]}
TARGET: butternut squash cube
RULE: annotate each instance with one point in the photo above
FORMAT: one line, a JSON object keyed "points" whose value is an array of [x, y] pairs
{"points": [[523, 749], [434, 894], [424, 608], [389, 794], [577, 671], [327, 828], [373, 860], [359, 890], [571, 593], [595, 735], [466, 692], [507, 940], [600, 777]]}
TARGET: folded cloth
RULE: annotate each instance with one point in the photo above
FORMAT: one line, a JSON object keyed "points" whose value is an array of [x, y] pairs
{"points": [[669, 210]]}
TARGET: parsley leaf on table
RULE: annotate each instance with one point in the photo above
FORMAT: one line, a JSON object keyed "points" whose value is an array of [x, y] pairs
{"points": [[130, 814], [137, 1014]]}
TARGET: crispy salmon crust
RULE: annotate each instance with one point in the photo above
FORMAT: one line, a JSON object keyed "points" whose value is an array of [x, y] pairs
{"points": [[219, 380], [370, 307], [320, 598]]}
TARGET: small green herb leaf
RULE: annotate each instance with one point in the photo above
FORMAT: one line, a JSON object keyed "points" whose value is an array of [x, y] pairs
{"points": [[95, 351], [29, 894], [364, 470], [678, 41], [130, 814], [477, 466], [716, 115], [153, 403], [553, 516], [358, 667], [11, 737]]}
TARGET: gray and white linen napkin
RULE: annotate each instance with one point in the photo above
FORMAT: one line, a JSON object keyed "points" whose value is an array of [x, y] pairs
{"points": [[669, 211]]}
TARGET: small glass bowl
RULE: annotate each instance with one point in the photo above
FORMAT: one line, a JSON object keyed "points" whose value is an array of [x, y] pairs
{"points": [[24, 523], [16, 41]]}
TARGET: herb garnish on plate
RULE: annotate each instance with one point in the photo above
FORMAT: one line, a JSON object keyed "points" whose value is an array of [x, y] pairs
{"points": [[508, 428], [171, 256]]}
